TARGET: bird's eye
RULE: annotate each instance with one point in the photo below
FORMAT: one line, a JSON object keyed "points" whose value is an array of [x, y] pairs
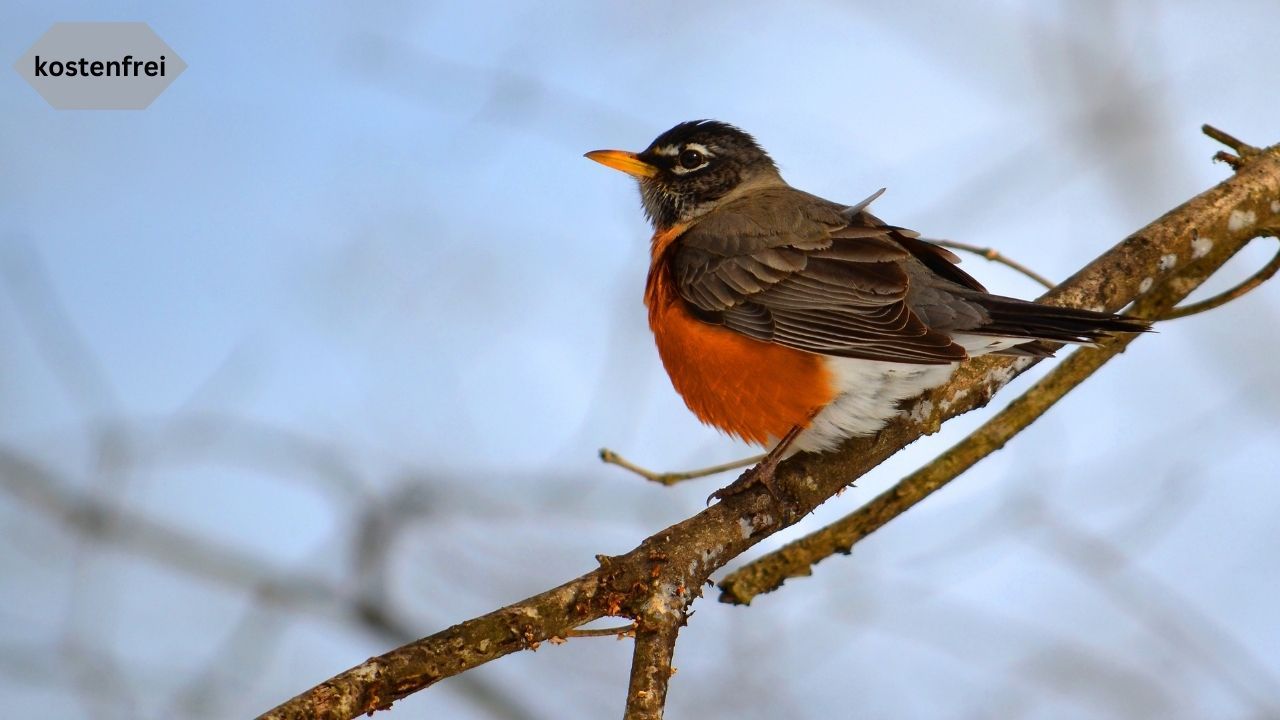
{"points": [[691, 159]]}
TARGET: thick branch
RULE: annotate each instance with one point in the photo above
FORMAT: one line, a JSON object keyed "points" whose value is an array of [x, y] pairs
{"points": [[1205, 231]]}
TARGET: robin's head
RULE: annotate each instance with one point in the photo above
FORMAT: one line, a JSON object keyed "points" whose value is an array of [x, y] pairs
{"points": [[688, 169]]}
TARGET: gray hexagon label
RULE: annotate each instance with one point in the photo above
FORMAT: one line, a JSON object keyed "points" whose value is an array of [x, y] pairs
{"points": [[100, 65]]}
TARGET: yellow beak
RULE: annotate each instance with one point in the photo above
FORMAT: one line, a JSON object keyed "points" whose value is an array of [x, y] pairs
{"points": [[625, 161]]}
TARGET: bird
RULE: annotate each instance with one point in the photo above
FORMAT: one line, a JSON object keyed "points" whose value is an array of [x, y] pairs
{"points": [[794, 322]]}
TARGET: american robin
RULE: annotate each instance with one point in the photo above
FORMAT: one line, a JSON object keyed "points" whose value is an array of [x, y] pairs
{"points": [[788, 320]]}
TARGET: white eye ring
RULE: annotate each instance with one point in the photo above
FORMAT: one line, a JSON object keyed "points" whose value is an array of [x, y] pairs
{"points": [[691, 158]]}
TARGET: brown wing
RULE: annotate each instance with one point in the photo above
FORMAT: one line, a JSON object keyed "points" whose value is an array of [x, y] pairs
{"points": [[787, 267]]}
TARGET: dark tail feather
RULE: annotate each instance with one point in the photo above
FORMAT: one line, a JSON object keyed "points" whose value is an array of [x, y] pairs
{"points": [[1019, 318]]}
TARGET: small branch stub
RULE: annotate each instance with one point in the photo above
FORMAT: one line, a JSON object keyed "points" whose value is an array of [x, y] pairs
{"points": [[1242, 149]]}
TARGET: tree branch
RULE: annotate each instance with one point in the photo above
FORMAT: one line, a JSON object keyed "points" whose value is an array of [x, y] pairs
{"points": [[996, 256], [1245, 286], [610, 457], [651, 668], [1167, 259]]}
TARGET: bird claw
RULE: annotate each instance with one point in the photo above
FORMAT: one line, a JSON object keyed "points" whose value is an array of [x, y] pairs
{"points": [[762, 474]]}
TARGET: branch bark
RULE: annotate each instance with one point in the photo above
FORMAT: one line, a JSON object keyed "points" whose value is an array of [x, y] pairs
{"points": [[651, 668], [1164, 261]]}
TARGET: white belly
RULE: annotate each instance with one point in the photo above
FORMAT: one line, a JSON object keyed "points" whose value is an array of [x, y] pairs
{"points": [[869, 395], [871, 390]]}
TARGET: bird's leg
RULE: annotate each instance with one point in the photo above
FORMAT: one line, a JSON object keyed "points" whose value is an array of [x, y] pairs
{"points": [[763, 472], [671, 478]]}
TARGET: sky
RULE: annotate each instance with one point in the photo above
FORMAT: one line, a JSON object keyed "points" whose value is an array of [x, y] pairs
{"points": [[346, 310]]}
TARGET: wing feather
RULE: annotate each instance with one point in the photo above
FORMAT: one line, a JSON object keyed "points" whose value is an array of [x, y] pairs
{"points": [[786, 267]]}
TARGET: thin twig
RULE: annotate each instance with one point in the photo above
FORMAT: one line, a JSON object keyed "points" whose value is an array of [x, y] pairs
{"points": [[994, 255], [671, 478], [1226, 157], [1262, 275], [1242, 148], [618, 632]]}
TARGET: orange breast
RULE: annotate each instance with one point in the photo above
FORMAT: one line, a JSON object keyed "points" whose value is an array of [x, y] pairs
{"points": [[754, 390]]}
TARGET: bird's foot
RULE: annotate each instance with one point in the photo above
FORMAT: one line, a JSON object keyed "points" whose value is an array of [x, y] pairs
{"points": [[760, 474]]}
